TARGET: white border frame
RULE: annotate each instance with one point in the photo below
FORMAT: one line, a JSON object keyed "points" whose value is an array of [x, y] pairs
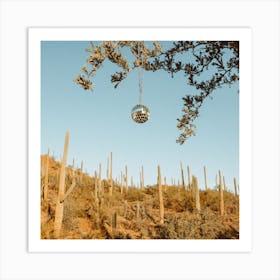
{"points": [[262, 262], [244, 243]]}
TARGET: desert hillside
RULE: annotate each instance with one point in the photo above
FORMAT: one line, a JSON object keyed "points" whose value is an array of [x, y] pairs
{"points": [[104, 209]]}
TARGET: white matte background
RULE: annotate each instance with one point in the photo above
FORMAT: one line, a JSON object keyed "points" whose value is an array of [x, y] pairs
{"points": [[262, 17]]}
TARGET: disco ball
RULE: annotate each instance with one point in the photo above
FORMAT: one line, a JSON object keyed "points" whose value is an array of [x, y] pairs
{"points": [[140, 113]]}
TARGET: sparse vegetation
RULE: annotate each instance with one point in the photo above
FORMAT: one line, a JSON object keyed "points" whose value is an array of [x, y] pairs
{"points": [[91, 211]]}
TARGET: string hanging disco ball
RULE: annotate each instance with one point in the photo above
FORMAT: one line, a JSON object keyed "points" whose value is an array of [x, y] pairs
{"points": [[140, 113]]}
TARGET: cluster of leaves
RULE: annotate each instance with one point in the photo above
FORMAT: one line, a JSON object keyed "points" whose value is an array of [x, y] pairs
{"points": [[220, 58], [112, 51], [210, 65]]}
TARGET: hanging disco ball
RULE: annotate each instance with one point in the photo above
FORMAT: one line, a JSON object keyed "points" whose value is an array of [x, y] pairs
{"points": [[140, 113]]}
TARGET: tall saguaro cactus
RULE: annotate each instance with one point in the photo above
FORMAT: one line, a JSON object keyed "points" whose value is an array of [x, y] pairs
{"points": [[121, 182], [165, 184], [142, 178], [189, 178], [111, 174], [182, 174], [73, 167], [235, 187], [137, 211], [107, 170], [225, 186], [61, 190], [114, 223], [81, 175], [216, 182], [46, 181], [196, 189], [95, 187], [126, 178], [100, 179], [222, 206], [161, 206], [205, 179]]}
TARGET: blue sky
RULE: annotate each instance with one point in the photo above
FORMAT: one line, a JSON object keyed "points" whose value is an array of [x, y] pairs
{"points": [[99, 122]]}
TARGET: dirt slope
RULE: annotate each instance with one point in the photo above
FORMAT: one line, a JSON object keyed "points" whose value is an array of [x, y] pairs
{"points": [[134, 214]]}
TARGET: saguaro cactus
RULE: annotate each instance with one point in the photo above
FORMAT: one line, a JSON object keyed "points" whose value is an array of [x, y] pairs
{"points": [[46, 181], [111, 173], [100, 179], [222, 207], [225, 186], [235, 187], [95, 187], [114, 223], [126, 178], [73, 167], [189, 178], [121, 182], [61, 190], [216, 182], [81, 175], [125, 208], [69, 190], [205, 179], [182, 174], [196, 189], [161, 206], [142, 178], [138, 210], [107, 170]]}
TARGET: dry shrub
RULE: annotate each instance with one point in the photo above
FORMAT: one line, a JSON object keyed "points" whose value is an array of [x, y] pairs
{"points": [[179, 200], [231, 203], [84, 218], [209, 199], [47, 218], [134, 194], [203, 225]]}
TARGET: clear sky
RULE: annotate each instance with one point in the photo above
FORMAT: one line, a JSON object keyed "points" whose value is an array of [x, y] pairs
{"points": [[99, 122]]}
